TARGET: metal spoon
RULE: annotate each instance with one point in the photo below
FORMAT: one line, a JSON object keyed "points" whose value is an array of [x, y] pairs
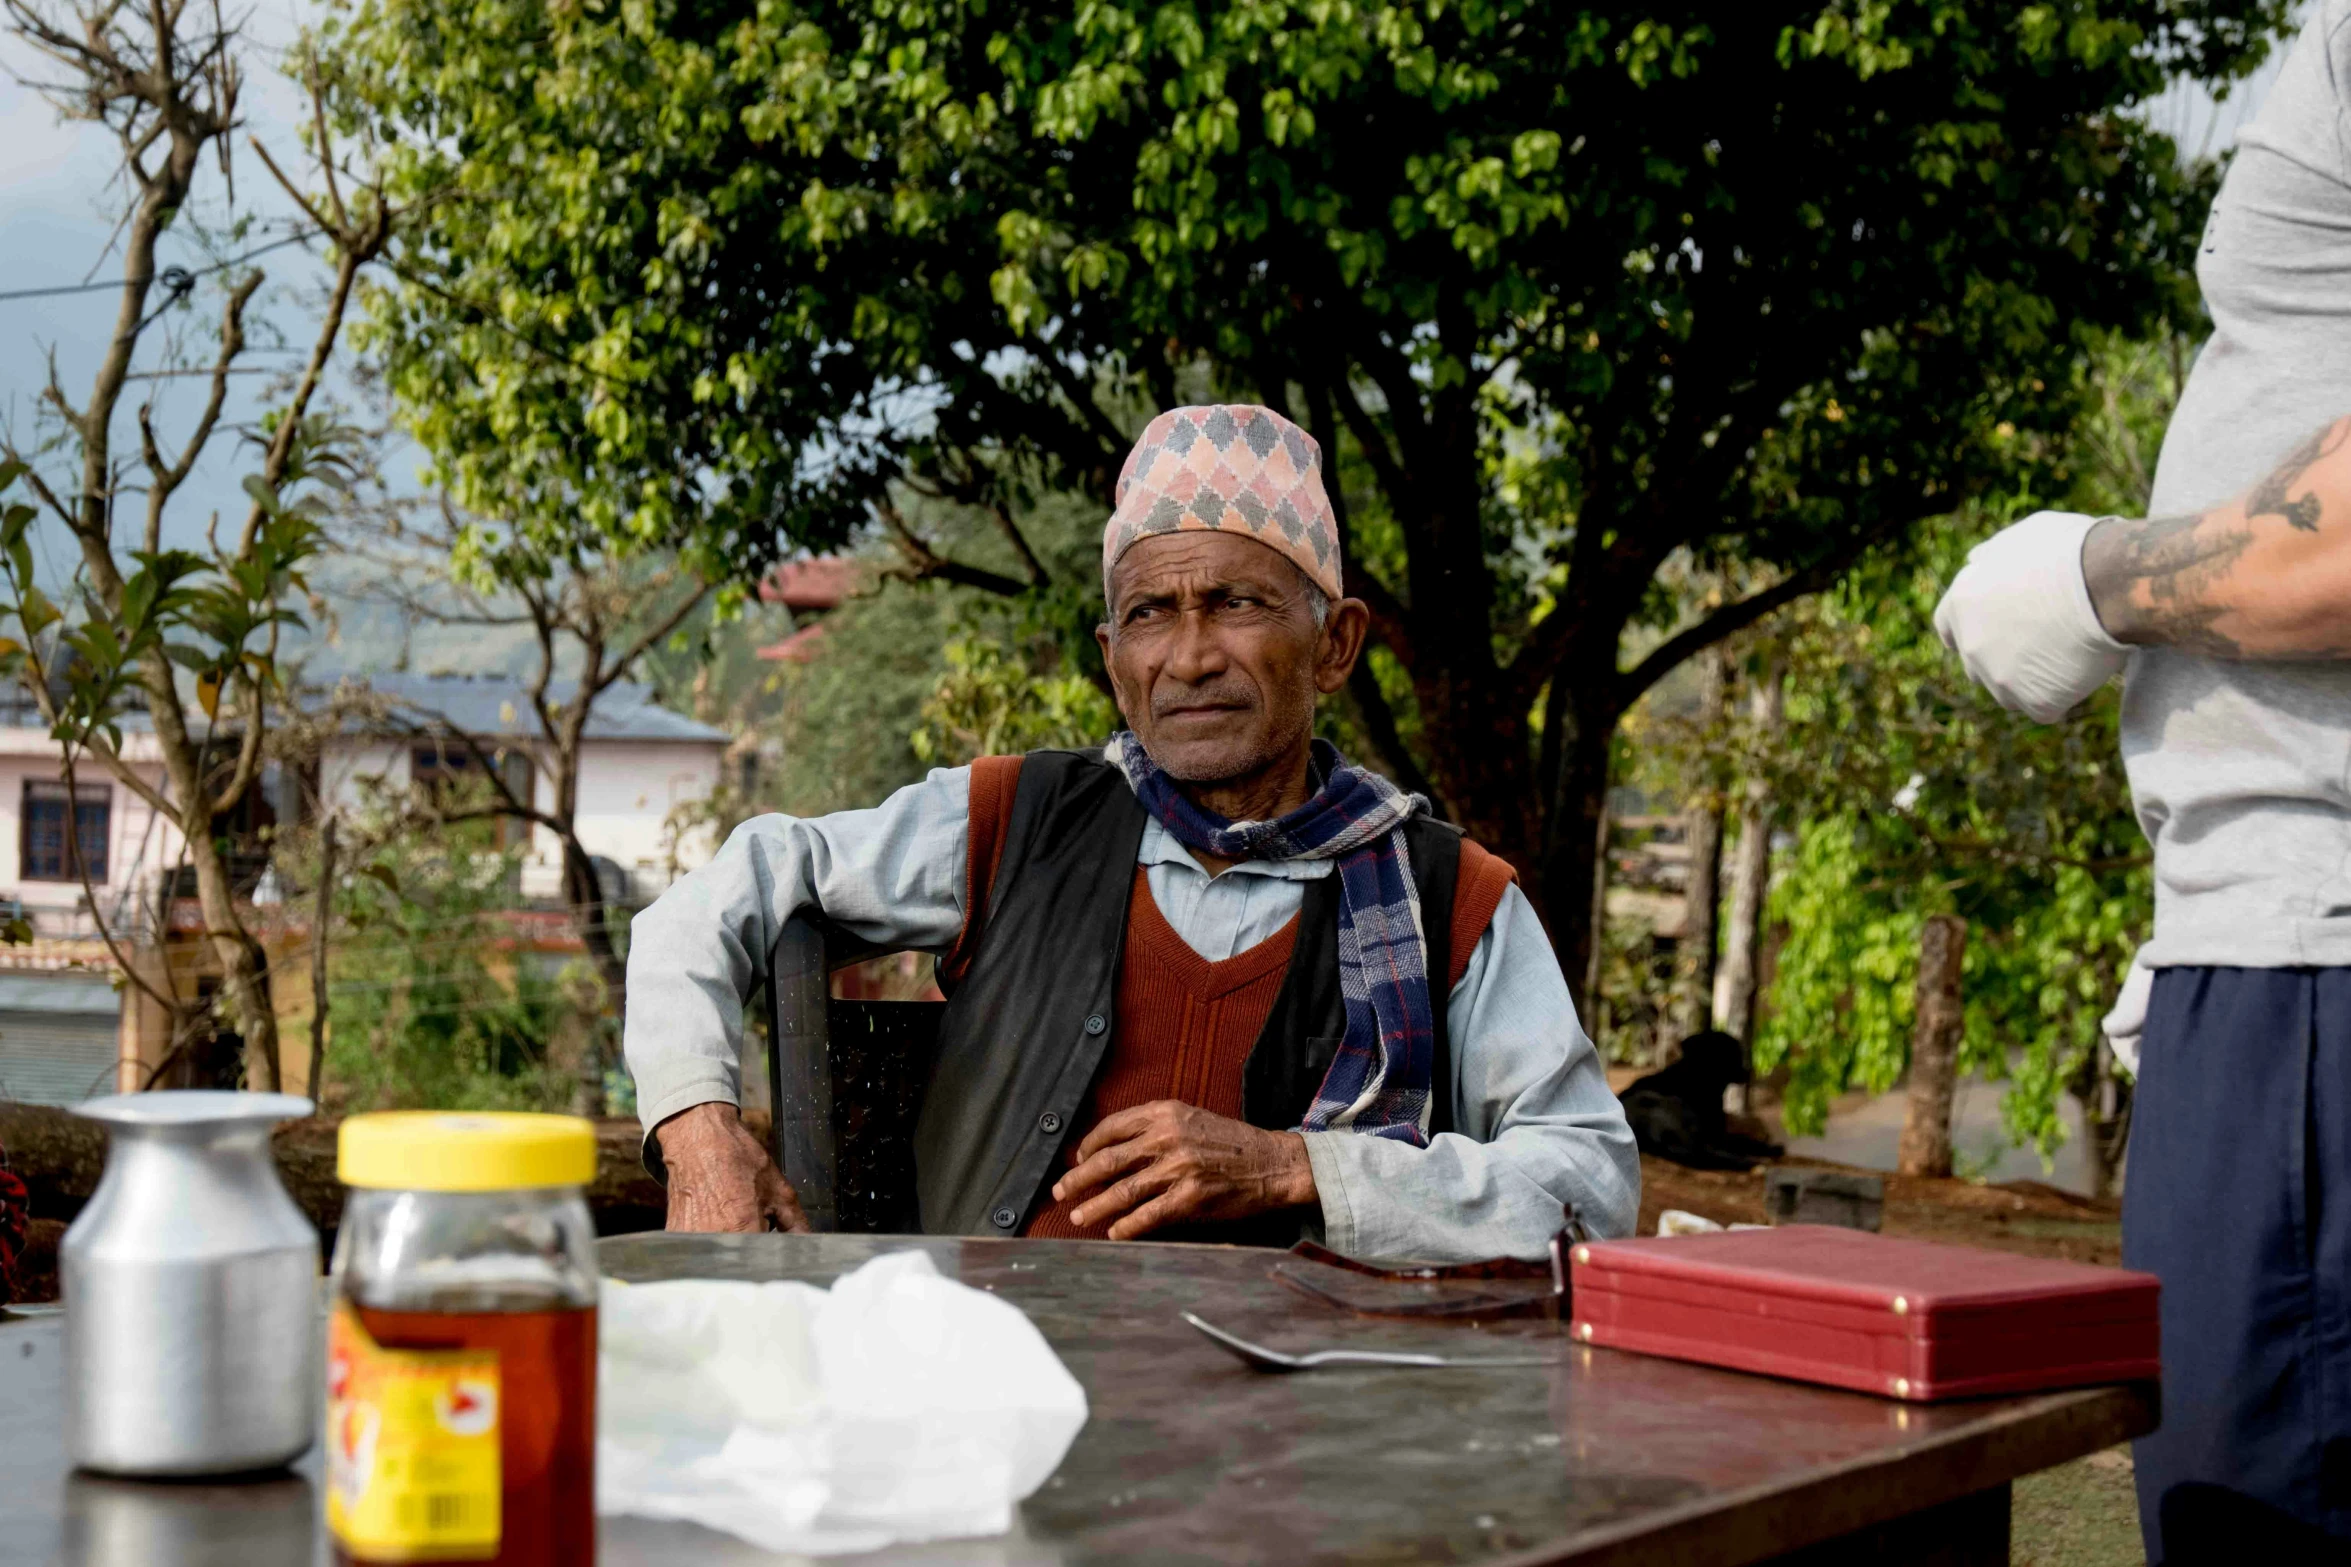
{"points": [[1258, 1358]]}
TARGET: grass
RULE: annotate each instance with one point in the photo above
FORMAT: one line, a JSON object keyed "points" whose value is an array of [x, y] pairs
{"points": [[2081, 1514]]}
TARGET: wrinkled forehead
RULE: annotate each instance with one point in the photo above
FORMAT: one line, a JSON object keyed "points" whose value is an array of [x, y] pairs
{"points": [[1173, 565]]}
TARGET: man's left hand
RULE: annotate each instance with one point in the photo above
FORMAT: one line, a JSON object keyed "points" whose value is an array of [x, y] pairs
{"points": [[1168, 1162]]}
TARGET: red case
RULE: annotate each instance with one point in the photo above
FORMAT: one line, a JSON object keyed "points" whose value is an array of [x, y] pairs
{"points": [[1909, 1319]]}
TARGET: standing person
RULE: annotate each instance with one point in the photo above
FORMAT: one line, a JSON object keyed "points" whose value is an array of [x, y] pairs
{"points": [[2230, 609]]}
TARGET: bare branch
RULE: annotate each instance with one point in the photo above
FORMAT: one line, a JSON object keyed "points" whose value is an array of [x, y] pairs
{"points": [[73, 849], [926, 564], [169, 477], [248, 764], [129, 777], [645, 643], [349, 260], [294, 191]]}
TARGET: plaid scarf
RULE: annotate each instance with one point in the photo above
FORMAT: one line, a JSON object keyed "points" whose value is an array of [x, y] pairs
{"points": [[1378, 1083]]}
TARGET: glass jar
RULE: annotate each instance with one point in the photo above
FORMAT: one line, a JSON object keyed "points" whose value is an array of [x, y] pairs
{"points": [[461, 1356]]}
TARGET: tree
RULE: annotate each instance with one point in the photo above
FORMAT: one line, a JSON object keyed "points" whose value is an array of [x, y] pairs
{"points": [[1694, 955], [1565, 292], [1915, 800], [164, 81], [1914, 796], [593, 619], [437, 1004], [1737, 978], [1934, 1047]]}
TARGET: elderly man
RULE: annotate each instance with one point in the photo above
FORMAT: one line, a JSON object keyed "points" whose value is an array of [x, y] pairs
{"points": [[1194, 977]]}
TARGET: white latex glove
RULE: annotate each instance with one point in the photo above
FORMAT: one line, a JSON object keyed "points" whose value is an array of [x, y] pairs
{"points": [[2019, 617], [2128, 1020]]}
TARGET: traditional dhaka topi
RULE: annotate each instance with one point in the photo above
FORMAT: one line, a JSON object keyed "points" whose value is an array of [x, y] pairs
{"points": [[1228, 468]]}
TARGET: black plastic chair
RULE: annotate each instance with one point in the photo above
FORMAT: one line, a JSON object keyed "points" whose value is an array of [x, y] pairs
{"points": [[845, 1083]]}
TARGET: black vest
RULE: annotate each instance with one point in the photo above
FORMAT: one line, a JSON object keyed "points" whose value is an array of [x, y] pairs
{"points": [[1026, 1029]]}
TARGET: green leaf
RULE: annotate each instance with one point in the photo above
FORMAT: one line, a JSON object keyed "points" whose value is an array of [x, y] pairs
{"points": [[36, 612]]}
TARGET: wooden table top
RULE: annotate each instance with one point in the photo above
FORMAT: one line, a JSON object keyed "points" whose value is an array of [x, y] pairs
{"points": [[1189, 1456]]}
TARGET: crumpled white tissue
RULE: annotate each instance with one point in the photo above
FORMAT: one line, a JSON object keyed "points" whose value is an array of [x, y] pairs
{"points": [[896, 1406]]}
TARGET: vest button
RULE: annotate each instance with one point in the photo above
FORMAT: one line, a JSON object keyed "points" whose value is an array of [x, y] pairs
{"points": [[1004, 1218], [1049, 1122], [1096, 1022]]}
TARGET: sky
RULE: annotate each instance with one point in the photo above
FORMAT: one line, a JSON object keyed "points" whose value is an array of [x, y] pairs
{"points": [[58, 201]]}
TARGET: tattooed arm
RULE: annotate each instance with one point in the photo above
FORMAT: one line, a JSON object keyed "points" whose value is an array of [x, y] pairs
{"points": [[2267, 576]]}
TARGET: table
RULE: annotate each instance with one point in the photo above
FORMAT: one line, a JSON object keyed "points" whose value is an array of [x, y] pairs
{"points": [[1605, 1458]]}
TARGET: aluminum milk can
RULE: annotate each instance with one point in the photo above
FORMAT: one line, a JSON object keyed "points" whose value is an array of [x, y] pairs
{"points": [[191, 1292]]}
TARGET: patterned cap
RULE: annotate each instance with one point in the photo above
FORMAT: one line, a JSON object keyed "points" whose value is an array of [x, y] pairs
{"points": [[1229, 468]]}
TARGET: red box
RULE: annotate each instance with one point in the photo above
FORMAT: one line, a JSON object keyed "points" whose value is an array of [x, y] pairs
{"points": [[1908, 1319]]}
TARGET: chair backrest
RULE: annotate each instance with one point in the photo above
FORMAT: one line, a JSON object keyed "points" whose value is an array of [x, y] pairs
{"points": [[845, 1082]]}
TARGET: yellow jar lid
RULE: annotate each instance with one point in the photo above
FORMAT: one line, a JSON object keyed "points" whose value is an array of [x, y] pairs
{"points": [[465, 1151]]}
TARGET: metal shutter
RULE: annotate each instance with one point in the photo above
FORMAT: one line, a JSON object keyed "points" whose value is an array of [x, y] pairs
{"points": [[58, 1038]]}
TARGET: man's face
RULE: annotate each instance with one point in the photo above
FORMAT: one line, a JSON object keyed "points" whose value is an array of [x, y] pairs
{"points": [[1214, 654]]}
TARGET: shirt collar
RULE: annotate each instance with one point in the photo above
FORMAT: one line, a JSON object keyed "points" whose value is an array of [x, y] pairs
{"points": [[1161, 848]]}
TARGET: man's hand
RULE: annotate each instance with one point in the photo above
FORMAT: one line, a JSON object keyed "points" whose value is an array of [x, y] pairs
{"points": [[1167, 1162], [720, 1179], [2022, 623]]}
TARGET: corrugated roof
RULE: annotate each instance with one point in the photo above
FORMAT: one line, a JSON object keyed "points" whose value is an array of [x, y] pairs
{"points": [[500, 705], [817, 584]]}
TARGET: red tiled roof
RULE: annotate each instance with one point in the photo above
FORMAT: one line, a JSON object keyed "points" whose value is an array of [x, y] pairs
{"points": [[811, 584], [800, 647]]}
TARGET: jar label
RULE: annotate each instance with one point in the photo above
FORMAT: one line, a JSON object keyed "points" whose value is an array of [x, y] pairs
{"points": [[412, 1448]]}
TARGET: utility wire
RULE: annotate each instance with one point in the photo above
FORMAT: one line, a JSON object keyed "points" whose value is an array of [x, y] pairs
{"points": [[177, 279]]}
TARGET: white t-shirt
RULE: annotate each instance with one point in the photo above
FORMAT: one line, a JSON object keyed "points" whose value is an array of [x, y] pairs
{"points": [[2242, 771]]}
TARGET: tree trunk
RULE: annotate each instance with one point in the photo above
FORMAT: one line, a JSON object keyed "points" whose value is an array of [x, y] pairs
{"points": [[1693, 998], [1571, 893], [1934, 1047], [318, 964], [2105, 1097], [593, 916], [1735, 981], [244, 967]]}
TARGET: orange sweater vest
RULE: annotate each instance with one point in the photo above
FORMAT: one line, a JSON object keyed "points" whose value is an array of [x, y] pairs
{"points": [[1184, 1026]]}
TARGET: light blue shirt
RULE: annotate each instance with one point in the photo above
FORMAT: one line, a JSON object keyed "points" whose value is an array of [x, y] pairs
{"points": [[1538, 1127]]}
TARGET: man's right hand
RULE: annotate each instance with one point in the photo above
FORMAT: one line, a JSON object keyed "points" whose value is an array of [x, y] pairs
{"points": [[720, 1180], [2021, 620]]}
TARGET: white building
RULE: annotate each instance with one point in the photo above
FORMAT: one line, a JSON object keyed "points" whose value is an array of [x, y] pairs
{"points": [[65, 1033], [62, 1024], [641, 765]]}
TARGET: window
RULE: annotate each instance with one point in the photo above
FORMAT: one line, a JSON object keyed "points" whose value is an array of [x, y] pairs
{"points": [[47, 850], [452, 767]]}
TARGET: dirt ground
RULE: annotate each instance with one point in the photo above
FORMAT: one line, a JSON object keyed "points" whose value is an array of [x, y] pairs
{"points": [[2020, 1216]]}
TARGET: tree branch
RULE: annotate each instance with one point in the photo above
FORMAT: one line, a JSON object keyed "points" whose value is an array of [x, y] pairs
{"points": [[1379, 722], [248, 763], [1388, 615], [1737, 617], [169, 477], [645, 643], [926, 564]]}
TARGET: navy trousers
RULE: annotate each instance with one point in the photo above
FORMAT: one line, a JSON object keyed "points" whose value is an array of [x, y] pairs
{"points": [[2239, 1199]]}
